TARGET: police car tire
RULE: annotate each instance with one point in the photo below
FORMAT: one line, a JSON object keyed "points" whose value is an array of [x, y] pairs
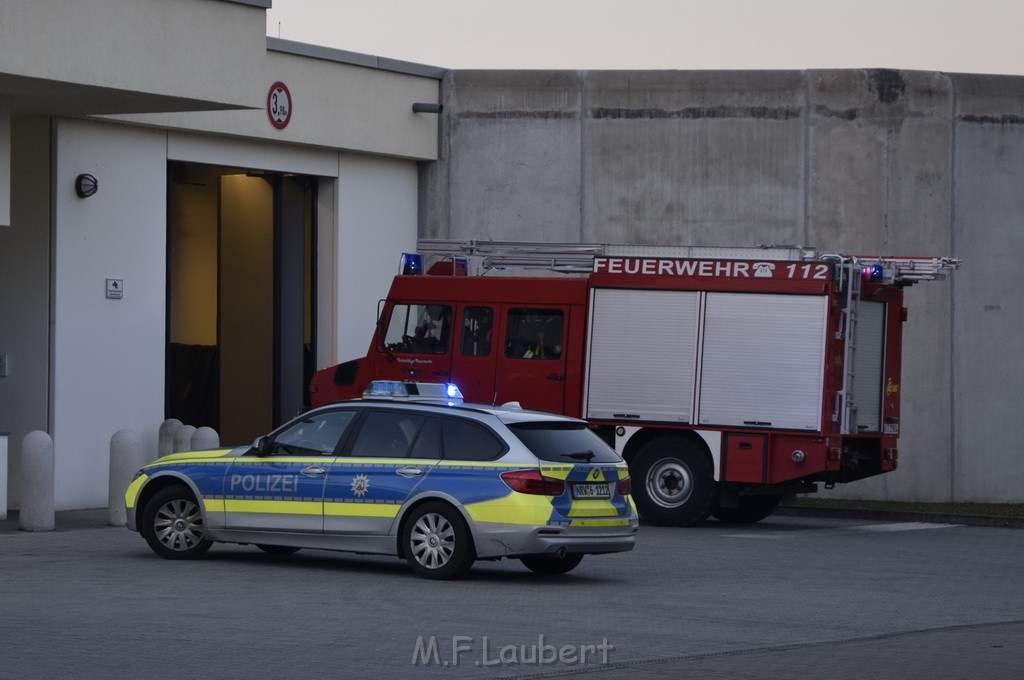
{"points": [[551, 565], [751, 509], [436, 542], [173, 518], [673, 466]]}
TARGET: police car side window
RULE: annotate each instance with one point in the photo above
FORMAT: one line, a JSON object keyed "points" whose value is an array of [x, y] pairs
{"points": [[387, 434], [468, 440], [428, 441], [315, 435]]}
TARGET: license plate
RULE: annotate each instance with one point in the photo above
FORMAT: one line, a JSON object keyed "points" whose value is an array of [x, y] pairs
{"points": [[591, 491]]}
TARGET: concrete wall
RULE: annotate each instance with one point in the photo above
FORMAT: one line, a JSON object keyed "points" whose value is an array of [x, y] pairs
{"points": [[988, 349], [856, 161]]}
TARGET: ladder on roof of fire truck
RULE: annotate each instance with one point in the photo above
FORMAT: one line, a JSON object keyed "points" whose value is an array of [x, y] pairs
{"points": [[578, 258]]}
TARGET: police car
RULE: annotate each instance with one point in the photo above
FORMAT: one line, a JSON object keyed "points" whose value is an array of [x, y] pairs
{"points": [[403, 471]]}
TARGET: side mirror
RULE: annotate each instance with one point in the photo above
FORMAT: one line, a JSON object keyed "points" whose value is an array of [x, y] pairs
{"points": [[261, 446]]}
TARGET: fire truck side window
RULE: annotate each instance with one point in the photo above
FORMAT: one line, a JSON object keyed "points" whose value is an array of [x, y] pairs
{"points": [[476, 331], [418, 329], [534, 334]]}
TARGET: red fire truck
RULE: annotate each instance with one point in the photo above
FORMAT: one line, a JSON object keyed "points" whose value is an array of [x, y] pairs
{"points": [[727, 378]]}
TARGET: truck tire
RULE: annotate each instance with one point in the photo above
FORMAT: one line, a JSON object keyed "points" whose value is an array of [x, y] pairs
{"points": [[674, 483], [751, 509]]}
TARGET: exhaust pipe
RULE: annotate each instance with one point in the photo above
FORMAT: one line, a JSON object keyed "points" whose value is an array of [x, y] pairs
{"points": [[560, 553]]}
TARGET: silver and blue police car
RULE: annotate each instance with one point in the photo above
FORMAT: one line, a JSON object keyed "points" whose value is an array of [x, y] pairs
{"points": [[439, 483]]}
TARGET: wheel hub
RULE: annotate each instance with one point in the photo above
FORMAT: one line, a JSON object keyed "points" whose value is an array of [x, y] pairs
{"points": [[669, 483]]}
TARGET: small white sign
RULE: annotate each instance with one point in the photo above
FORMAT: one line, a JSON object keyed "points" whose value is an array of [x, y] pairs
{"points": [[115, 289]]}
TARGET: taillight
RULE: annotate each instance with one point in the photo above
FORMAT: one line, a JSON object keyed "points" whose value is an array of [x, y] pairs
{"points": [[533, 482], [625, 486]]}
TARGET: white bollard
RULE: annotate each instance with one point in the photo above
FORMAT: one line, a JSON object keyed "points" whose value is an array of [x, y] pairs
{"points": [[183, 438], [204, 439], [165, 443], [126, 457], [37, 512]]}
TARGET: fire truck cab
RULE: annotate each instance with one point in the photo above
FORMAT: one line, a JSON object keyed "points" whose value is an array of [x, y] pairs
{"points": [[726, 378]]}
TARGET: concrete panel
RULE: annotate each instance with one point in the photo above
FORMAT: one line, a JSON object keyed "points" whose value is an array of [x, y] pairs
{"points": [[881, 149], [695, 158], [988, 356], [512, 149]]}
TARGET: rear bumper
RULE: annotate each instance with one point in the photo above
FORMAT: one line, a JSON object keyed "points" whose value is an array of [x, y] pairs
{"points": [[505, 540]]}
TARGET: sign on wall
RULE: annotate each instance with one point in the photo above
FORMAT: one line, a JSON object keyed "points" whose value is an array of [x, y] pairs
{"points": [[279, 105]]}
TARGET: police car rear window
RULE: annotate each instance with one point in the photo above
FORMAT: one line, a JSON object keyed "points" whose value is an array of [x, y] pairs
{"points": [[564, 442]]}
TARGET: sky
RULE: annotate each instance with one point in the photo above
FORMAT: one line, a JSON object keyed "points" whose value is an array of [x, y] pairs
{"points": [[979, 36]]}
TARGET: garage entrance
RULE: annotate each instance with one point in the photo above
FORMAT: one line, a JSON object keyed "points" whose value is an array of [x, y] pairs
{"points": [[240, 321]]}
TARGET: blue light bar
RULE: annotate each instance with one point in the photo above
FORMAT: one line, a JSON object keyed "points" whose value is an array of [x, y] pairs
{"points": [[412, 264]]}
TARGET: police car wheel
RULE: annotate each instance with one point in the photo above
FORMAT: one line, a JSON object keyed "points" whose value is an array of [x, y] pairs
{"points": [[172, 524], [277, 549], [552, 565], [436, 542], [675, 483]]}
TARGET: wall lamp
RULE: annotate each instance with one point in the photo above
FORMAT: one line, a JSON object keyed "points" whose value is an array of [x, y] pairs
{"points": [[423, 107], [86, 185]]}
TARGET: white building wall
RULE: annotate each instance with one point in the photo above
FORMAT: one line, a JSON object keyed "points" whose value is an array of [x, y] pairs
{"points": [[108, 355], [377, 212]]}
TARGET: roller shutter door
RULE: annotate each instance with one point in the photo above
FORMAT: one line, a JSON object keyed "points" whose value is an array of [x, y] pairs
{"points": [[643, 347], [763, 360], [868, 359]]}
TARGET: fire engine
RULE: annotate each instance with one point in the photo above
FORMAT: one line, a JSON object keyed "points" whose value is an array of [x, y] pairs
{"points": [[727, 378]]}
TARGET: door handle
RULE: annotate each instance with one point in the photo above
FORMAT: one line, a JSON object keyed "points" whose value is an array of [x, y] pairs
{"points": [[443, 374], [313, 471], [409, 472], [556, 377]]}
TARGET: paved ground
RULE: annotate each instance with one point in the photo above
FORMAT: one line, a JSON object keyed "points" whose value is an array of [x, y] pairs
{"points": [[792, 597]]}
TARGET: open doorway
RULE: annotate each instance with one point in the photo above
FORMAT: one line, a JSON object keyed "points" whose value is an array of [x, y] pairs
{"points": [[240, 316]]}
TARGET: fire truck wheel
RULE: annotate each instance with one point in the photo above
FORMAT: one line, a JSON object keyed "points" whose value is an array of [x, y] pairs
{"points": [[675, 483], [751, 509]]}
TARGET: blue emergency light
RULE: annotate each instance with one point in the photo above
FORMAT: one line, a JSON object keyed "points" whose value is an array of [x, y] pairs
{"points": [[412, 264], [875, 272]]}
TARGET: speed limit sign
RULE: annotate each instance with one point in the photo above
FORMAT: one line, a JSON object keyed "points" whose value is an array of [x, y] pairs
{"points": [[279, 105]]}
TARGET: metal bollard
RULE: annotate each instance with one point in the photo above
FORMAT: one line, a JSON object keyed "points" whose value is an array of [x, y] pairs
{"points": [[37, 512], [183, 438], [205, 438], [165, 444], [126, 457]]}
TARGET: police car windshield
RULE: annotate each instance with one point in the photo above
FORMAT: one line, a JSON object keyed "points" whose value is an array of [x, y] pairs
{"points": [[563, 442]]}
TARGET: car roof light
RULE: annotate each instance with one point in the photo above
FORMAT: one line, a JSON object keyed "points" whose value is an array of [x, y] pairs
{"points": [[448, 393], [383, 389]]}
